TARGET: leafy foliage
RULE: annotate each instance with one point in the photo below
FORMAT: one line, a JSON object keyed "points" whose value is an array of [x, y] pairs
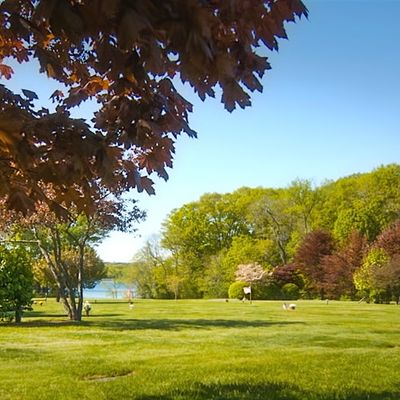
{"points": [[389, 239], [236, 290], [309, 256], [363, 277], [64, 244], [387, 278], [125, 56], [245, 250], [273, 219], [340, 267], [217, 277], [94, 269], [266, 290], [206, 240], [303, 200], [289, 273], [290, 291], [363, 217], [16, 280], [378, 277]]}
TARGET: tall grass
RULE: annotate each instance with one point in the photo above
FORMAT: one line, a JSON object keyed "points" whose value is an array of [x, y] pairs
{"points": [[204, 350]]}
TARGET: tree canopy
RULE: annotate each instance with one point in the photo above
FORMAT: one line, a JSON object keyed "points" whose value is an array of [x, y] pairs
{"points": [[16, 281], [123, 54], [314, 241]]}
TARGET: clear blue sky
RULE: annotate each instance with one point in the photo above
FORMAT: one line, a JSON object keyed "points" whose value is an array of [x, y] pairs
{"points": [[330, 108]]}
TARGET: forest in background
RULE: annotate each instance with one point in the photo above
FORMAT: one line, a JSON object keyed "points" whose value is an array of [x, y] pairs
{"points": [[339, 240]]}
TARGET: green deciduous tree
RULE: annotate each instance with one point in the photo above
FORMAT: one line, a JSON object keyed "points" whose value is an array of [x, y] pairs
{"points": [[272, 219], [199, 231], [155, 273], [217, 277], [208, 238], [379, 276], [364, 276], [16, 280], [366, 202], [63, 242], [94, 268], [303, 201], [245, 250], [204, 227], [364, 216]]}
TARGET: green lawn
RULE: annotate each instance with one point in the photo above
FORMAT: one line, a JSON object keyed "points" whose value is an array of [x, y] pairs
{"points": [[204, 350]]}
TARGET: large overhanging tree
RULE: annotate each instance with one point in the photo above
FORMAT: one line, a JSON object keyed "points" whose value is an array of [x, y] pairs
{"points": [[124, 54]]}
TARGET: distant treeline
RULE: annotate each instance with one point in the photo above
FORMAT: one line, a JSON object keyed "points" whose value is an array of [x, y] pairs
{"points": [[337, 240]]}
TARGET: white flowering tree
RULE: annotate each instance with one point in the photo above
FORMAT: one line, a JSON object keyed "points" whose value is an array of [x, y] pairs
{"points": [[249, 273]]}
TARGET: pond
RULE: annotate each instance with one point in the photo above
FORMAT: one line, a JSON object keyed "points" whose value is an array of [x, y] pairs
{"points": [[108, 289]]}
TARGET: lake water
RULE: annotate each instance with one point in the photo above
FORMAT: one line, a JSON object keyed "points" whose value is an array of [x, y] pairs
{"points": [[107, 289]]}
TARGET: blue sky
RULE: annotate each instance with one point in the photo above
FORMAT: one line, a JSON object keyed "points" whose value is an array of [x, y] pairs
{"points": [[330, 108]]}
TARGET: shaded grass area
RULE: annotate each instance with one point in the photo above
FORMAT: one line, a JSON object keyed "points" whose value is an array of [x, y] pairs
{"points": [[204, 350]]}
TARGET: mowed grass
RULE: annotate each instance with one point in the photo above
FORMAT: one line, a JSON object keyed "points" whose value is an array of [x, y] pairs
{"points": [[204, 349]]}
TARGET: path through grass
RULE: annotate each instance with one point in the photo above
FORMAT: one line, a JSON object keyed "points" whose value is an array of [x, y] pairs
{"points": [[204, 350]]}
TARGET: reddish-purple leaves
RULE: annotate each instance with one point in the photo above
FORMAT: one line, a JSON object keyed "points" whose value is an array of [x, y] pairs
{"points": [[123, 55]]}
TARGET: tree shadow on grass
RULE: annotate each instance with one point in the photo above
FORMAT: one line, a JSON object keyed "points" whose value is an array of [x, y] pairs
{"points": [[45, 323], [44, 314], [181, 324], [108, 302], [150, 324], [267, 391]]}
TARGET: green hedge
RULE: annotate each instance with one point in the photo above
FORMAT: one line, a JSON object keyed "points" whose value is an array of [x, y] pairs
{"points": [[236, 290]]}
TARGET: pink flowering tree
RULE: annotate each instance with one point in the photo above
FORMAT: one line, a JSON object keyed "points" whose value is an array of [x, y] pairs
{"points": [[250, 273]]}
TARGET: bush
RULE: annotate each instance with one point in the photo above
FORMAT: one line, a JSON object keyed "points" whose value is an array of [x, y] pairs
{"points": [[380, 296], [260, 291], [236, 290], [266, 291], [6, 316], [290, 291]]}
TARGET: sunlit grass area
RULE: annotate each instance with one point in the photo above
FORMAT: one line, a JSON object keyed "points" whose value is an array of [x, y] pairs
{"points": [[204, 349]]}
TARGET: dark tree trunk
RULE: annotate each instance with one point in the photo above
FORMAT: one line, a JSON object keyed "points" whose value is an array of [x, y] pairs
{"points": [[80, 279], [18, 315]]}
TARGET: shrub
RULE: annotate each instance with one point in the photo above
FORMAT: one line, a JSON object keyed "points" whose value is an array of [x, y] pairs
{"points": [[266, 291], [236, 290], [290, 291], [380, 296]]}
